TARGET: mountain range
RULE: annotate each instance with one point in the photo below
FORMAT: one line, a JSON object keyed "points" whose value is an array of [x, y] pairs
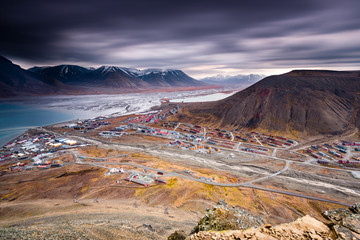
{"points": [[118, 77], [63, 79], [237, 80], [306, 102]]}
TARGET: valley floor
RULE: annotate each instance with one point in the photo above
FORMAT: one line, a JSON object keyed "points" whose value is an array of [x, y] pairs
{"points": [[93, 195]]}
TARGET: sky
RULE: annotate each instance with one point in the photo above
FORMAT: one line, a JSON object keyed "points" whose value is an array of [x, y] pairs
{"points": [[202, 38]]}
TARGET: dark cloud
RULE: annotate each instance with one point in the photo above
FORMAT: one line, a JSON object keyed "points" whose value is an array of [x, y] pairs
{"points": [[184, 34]]}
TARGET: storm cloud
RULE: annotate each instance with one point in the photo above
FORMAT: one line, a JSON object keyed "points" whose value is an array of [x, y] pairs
{"points": [[200, 37]]}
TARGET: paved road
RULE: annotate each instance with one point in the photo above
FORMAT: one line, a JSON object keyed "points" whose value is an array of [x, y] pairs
{"points": [[287, 164]]}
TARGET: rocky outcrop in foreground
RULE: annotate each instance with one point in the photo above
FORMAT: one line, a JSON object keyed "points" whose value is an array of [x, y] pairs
{"points": [[303, 228], [343, 224], [222, 217]]}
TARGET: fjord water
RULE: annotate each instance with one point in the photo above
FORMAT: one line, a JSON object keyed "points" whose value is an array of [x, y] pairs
{"points": [[16, 119], [18, 115]]}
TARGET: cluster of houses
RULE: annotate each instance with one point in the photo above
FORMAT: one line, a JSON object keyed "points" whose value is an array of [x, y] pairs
{"points": [[153, 117], [89, 124], [335, 153], [255, 149], [265, 139], [39, 148]]}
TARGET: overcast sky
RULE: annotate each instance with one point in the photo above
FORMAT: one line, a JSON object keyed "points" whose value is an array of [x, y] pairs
{"points": [[203, 38]]}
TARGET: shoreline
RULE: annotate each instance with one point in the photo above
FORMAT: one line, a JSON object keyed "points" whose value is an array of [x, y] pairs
{"points": [[111, 115], [123, 91], [12, 139]]}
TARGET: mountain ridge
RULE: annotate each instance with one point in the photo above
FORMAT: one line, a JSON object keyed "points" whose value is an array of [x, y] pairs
{"points": [[74, 79], [14, 79], [113, 76]]}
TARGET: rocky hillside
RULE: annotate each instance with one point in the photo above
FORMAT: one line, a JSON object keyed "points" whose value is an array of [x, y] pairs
{"points": [[343, 224], [301, 101], [14, 80], [301, 229]]}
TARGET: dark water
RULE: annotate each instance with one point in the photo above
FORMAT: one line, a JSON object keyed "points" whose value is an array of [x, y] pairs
{"points": [[16, 119]]}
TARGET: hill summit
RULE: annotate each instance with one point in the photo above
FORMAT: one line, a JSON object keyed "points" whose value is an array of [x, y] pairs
{"points": [[307, 101]]}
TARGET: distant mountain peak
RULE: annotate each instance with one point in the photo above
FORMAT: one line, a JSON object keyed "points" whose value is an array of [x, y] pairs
{"points": [[233, 80], [108, 69]]}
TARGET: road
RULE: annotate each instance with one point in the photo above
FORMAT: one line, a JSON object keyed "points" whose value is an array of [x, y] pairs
{"points": [[248, 184], [177, 126], [287, 164], [258, 141], [97, 142], [232, 136]]}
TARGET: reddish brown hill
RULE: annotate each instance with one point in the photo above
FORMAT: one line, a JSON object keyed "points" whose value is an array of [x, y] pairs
{"points": [[309, 102]]}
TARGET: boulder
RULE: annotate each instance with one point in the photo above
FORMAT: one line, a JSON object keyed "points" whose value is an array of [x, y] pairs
{"points": [[355, 208], [178, 235], [336, 215], [352, 222], [343, 233]]}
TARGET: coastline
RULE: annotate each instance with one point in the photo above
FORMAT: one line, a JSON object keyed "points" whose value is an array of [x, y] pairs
{"points": [[13, 138], [111, 115]]}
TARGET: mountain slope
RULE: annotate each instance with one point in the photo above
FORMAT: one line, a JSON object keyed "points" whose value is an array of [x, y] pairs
{"points": [[168, 78], [110, 76], [63, 73], [14, 81], [307, 102]]}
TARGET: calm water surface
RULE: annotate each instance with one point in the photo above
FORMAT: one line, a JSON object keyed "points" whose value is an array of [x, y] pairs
{"points": [[16, 119]]}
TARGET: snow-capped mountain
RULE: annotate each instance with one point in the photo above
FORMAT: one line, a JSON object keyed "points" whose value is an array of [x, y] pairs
{"points": [[63, 73], [233, 80], [73, 79], [119, 77], [168, 77]]}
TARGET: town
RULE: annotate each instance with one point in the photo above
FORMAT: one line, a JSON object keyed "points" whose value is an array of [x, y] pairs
{"points": [[58, 146]]}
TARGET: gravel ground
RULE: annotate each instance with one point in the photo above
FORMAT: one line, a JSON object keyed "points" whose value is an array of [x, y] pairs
{"points": [[94, 226]]}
